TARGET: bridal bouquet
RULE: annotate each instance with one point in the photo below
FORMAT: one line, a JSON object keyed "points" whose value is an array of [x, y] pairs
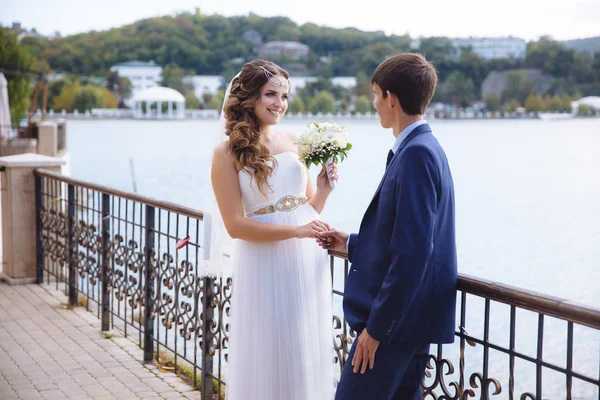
{"points": [[322, 144]]}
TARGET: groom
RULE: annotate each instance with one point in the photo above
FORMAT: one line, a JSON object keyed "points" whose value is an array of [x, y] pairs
{"points": [[400, 294]]}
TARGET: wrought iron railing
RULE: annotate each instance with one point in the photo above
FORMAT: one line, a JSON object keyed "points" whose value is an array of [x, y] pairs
{"points": [[496, 358], [123, 265]]}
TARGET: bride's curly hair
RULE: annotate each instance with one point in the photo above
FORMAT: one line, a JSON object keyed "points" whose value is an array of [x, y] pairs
{"points": [[242, 126]]}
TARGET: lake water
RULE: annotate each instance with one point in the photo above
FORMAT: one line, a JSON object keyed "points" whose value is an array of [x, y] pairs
{"points": [[527, 199]]}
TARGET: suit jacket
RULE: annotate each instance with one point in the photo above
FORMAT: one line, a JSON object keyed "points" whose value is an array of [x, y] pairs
{"points": [[402, 282]]}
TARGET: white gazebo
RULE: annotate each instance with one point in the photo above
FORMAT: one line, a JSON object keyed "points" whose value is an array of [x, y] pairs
{"points": [[158, 95]]}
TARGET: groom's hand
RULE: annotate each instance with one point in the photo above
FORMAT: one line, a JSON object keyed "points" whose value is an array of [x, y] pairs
{"points": [[364, 355], [333, 240]]}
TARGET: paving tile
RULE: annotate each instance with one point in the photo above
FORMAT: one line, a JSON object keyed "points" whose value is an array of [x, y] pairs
{"points": [[75, 361]]}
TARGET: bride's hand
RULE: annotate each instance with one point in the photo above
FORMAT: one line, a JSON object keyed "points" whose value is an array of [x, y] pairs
{"points": [[323, 177], [312, 229]]}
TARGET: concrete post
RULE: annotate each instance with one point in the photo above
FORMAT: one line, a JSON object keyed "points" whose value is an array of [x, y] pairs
{"points": [[17, 190], [47, 138]]}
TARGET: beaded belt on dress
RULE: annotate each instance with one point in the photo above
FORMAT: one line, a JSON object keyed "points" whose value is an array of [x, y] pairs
{"points": [[287, 203]]}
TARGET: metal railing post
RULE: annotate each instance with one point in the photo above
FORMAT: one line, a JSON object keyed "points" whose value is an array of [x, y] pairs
{"points": [[149, 287], [72, 279], [39, 251], [104, 262], [207, 337]]}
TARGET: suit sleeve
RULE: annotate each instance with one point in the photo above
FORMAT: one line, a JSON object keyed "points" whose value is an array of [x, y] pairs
{"points": [[351, 246], [411, 245]]}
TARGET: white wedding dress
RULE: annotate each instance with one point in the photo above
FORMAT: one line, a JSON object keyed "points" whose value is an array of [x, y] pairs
{"points": [[281, 337]]}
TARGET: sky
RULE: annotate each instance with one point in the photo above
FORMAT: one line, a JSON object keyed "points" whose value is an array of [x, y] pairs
{"points": [[527, 19]]}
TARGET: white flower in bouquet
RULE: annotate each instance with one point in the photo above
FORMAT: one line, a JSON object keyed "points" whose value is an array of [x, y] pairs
{"points": [[323, 143]]}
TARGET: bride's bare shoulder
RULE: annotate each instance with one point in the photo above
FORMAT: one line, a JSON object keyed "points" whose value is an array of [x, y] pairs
{"points": [[291, 136], [223, 155], [223, 150], [291, 139]]}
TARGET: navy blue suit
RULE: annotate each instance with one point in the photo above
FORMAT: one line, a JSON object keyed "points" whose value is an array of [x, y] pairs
{"points": [[402, 281]]}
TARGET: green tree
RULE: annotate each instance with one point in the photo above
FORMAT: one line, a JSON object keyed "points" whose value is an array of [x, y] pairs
{"points": [[216, 103], [205, 44], [54, 89], [191, 101], [513, 104], [492, 102], [323, 102], [459, 89], [473, 66], [363, 85], [344, 104], [534, 102], [64, 101], [125, 90], [106, 99], [556, 103], [552, 103], [566, 103], [206, 98], [172, 77], [323, 83], [555, 59], [288, 32], [369, 57], [517, 86], [439, 49], [81, 98], [297, 105], [18, 58], [596, 65], [362, 105], [583, 110], [119, 86], [86, 98]]}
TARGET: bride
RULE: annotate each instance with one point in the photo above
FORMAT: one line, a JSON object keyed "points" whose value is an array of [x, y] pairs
{"points": [[281, 320]]}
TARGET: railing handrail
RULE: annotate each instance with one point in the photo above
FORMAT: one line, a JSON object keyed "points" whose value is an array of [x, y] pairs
{"points": [[77, 251], [511, 295], [188, 212], [525, 299]]}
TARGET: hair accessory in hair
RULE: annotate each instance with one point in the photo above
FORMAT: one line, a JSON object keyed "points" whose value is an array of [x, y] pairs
{"points": [[275, 81]]}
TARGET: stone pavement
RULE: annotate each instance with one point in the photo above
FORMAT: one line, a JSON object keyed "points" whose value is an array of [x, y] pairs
{"points": [[50, 352]]}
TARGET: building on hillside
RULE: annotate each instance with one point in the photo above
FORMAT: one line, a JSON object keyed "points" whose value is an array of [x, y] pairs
{"points": [[22, 32], [289, 50], [204, 84], [494, 47], [300, 82], [347, 82], [253, 37], [143, 75]]}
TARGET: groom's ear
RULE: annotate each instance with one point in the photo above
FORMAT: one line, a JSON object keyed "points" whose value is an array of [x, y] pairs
{"points": [[391, 99]]}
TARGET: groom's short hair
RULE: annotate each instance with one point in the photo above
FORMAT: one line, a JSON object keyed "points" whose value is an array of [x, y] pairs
{"points": [[410, 77]]}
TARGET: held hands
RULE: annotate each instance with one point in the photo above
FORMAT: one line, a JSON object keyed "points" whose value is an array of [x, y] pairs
{"points": [[364, 355], [333, 239], [312, 229], [329, 171]]}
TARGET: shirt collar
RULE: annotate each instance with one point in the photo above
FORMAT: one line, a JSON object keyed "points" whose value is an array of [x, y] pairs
{"points": [[405, 132]]}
